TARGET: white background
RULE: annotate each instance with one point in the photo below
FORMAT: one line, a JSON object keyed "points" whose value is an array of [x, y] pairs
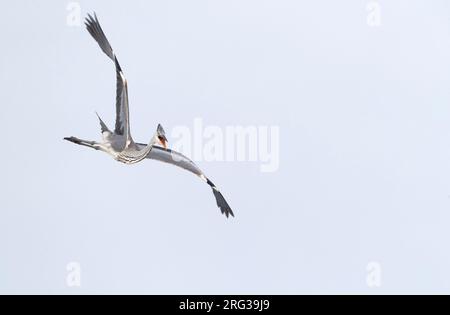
{"points": [[364, 122]]}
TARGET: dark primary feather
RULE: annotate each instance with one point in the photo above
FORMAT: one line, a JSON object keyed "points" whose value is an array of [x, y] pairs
{"points": [[96, 31], [220, 200], [94, 28]]}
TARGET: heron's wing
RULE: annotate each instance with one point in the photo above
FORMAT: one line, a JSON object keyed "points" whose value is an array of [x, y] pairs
{"points": [[122, 112], [178, 159], [173, 157]]}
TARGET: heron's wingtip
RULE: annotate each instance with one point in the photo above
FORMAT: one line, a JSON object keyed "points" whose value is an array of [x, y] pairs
{"points": [[222, 203], [220, 200]]}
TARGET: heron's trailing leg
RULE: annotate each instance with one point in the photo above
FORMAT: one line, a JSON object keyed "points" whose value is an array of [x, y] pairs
{"points": [[90, 144]]}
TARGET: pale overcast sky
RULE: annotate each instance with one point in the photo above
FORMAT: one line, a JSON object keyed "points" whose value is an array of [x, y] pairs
{"points": [[364, 156]]}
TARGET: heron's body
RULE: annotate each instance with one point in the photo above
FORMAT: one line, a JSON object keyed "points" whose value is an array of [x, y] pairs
{"points": [[120, 145]]}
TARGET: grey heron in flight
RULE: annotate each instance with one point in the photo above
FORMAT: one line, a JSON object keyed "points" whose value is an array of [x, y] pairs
{"points": [[119, 143]]}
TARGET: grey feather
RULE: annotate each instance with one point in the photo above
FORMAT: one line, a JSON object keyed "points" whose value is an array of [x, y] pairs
{"points": [[178, 159], [122, 112], [102, 124], [94, 28], [172, 157]]}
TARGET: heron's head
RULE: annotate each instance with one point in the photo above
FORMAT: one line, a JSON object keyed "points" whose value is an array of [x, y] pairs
{"points": [[161, 137]]}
